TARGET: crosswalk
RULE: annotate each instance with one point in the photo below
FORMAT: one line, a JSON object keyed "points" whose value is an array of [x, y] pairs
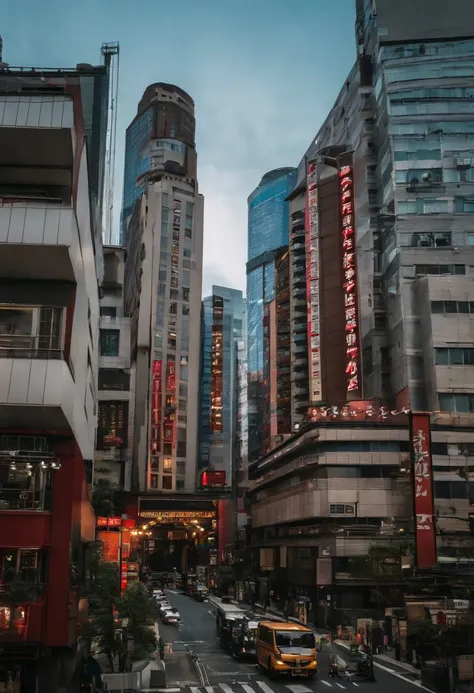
{"points": [[264, 687]]}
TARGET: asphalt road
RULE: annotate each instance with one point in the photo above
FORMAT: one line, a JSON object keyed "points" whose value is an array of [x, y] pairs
{"points": [[214, 671]]}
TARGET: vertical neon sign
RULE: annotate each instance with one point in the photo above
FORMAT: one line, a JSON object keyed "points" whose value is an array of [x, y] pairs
{"points": [[425, 534], [312, 284], [349, 269]]}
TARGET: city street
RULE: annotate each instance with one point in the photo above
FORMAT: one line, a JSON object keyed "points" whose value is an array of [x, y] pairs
{"points": [[214, 671]]}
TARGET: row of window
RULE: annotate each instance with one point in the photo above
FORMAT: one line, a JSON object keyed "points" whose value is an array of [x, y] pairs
{"points": [[454, 357], [425, 205], [456, 402], [440, 269], [452, 307]]}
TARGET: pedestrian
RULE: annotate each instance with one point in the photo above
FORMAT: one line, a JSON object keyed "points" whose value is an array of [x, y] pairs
{"points": [[92, 672], [161, 647]]}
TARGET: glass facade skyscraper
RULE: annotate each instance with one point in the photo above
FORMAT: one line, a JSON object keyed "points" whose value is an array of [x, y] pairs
{"points": [[160, 138], [222, 324], [268, 228]]}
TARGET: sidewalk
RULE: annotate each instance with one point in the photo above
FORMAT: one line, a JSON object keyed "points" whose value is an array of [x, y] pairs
{"points": [[388, 661]]}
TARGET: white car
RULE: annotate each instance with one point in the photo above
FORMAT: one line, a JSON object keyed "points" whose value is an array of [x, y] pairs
{"points": [[164, 606], [171, 616]]}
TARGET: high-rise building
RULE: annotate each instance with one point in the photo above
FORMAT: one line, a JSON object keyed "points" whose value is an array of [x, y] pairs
{"points": [[387, 191], [267, 233], [160, 138], [163, 277], [50, 266], [221, 334]]}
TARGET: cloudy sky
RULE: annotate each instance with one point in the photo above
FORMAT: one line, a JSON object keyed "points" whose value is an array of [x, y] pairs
{"points": [[263, 75]]}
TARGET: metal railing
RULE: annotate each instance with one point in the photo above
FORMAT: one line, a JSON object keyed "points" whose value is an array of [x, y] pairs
{"points": [[24, 499], [23, 347]]}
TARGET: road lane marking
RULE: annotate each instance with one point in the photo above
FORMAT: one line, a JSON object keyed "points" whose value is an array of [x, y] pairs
{"points": [[265, 687], [326, 683], [195, 689], [340, 685], [209, 689], [355, 684], [226, 688], [246, 687], [299, 689]]}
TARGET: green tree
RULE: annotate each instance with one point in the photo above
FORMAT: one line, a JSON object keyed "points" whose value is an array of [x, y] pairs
{"points": [[140, 612], [103, 498], [104, 596], [122, 626]]}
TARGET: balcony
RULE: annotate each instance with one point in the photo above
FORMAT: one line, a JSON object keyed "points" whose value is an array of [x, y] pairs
{"points": [[25, 347], [39, 237]]}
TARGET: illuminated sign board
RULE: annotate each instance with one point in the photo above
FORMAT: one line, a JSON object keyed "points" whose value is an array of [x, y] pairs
{"points": [[112, 428], [217, 360], [178, 514], [351, 316], [109, 521], [213, 478], [357, 411], [425, 533], [155, 426], [312, 284]]}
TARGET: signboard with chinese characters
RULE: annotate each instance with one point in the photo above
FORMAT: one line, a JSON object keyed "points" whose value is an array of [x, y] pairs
{"points": [[349, 269], [112, 429], [312, 283], [425, 533], [178, 514], [359, 411]]}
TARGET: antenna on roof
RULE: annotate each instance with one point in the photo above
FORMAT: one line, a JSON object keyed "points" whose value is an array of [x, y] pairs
{"points": [[1, 50]]}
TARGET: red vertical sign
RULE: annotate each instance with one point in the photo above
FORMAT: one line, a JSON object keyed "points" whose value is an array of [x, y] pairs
{"points": [[425, 533], [351, 313]]}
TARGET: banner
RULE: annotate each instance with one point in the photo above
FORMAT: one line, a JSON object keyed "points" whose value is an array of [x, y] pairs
{"points": [[423, 496]]}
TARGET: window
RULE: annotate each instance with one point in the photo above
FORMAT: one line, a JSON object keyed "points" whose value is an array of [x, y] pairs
{"points": [[109, 342], [181, 451], [162, 290], [167, 482], [183, 373], [456, 402], [406, 207], [173, 308], [180, 467], [180, 485], [108, 312], [158, 341], [452, 307], [341, 509], [188, 233], [440, 269], [185, 310], [167, 464], [168, 449], [31, 331], [154, 481], [454, 357], [185, 294], [187, 252], [441, 239]]}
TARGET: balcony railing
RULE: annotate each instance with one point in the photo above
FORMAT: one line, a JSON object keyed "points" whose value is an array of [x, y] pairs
{"points": [[22, 499], [23, 347]]}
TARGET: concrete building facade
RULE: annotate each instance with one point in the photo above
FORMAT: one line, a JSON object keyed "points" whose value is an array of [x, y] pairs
{"points": [[163, 279], [50, 271], [114, 442]]}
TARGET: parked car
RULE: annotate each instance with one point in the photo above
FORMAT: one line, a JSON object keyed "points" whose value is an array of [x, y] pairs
{"points": [[171, 616], [164, 607]]}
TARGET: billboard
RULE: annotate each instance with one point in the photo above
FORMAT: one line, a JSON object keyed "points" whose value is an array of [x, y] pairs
{"points": [[349, 269], [213, 478], [423, 496], [312, 284], [111, 542], [112, 428]]}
